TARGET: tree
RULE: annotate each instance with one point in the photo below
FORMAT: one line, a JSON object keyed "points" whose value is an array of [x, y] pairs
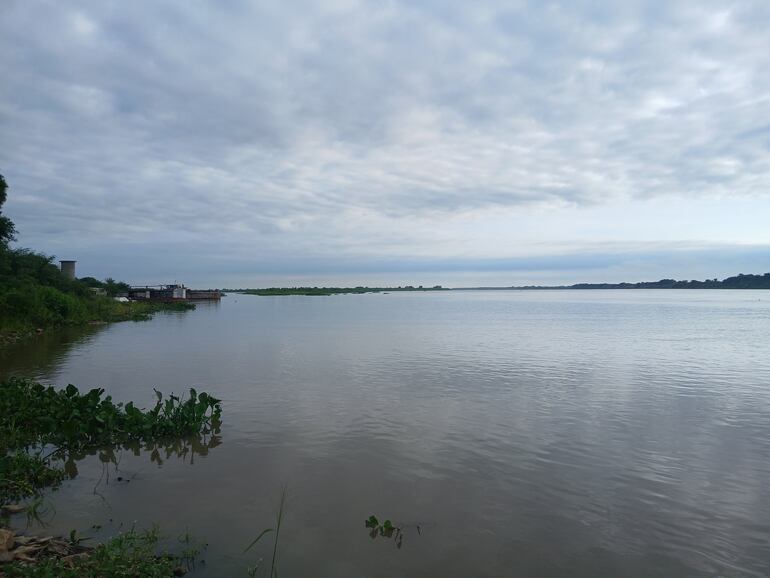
{"points": [[114, 287], [7, 228]]}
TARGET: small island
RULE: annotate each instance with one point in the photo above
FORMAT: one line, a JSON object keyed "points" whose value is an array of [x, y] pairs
{"points": [[325, 291]]}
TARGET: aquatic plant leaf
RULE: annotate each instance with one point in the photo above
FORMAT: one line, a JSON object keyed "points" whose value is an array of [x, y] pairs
{"points": [[372, 522]]}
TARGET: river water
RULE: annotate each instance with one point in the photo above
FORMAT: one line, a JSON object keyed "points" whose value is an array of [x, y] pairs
{"points": [[526, 433]]}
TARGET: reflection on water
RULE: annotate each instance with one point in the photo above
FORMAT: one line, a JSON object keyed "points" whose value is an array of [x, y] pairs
{"points": [[184, 450], [533, 434], [39, 355]]}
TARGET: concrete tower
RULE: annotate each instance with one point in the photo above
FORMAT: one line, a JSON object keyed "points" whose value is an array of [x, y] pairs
{"points": [[68, 268]]}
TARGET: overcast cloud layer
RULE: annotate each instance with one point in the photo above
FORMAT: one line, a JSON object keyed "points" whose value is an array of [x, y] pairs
{"points": [[241, 143]]}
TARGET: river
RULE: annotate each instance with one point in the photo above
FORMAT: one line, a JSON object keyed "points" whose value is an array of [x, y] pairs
{"points": [[510, 433]]}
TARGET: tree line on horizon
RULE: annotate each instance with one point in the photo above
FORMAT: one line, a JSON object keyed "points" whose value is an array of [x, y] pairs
{"points": [[740, 281]]}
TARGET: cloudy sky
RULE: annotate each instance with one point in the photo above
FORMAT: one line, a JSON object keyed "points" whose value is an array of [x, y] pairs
{"points": [[253, 143]]}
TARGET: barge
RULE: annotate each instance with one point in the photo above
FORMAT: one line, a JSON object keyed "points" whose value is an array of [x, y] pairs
{"points": [[172, 292]]}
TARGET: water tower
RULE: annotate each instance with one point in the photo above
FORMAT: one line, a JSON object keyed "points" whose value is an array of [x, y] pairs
{"points": [[68, 269]]}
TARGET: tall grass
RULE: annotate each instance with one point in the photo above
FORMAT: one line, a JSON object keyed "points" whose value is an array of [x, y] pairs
{"points": [[276, 531]]}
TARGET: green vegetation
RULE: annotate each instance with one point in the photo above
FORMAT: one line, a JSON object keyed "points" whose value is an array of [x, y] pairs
{"points": [[33, 416], [128, 555], [389, 531], [331, 290], [7, 228], [109, 285], [385, 530], [22, 475], [34, 294]]}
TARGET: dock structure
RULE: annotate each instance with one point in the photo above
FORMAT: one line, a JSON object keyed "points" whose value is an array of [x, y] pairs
{"points": [[172, 292]]}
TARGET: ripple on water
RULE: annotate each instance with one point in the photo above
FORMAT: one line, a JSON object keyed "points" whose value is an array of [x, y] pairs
{"points": [[534, 434]]}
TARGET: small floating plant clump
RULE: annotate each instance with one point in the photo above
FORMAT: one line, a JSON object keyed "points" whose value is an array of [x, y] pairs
{"points": [[389, 531], [385, 530]]}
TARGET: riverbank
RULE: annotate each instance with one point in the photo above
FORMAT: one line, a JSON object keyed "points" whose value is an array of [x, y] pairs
{"points": [[35, 295], [105, 310], [128, 555], [10, 337]]}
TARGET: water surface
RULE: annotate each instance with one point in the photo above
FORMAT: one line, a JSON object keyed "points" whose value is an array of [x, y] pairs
{"points": [[528, 434]]}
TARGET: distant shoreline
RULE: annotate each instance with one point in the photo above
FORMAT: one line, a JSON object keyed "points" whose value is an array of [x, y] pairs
{"points": [[736, 282], [570, 288], [326, 291]]}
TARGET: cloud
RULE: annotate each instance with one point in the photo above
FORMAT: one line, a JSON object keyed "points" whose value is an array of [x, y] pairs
{"points": [[374, 128]]}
